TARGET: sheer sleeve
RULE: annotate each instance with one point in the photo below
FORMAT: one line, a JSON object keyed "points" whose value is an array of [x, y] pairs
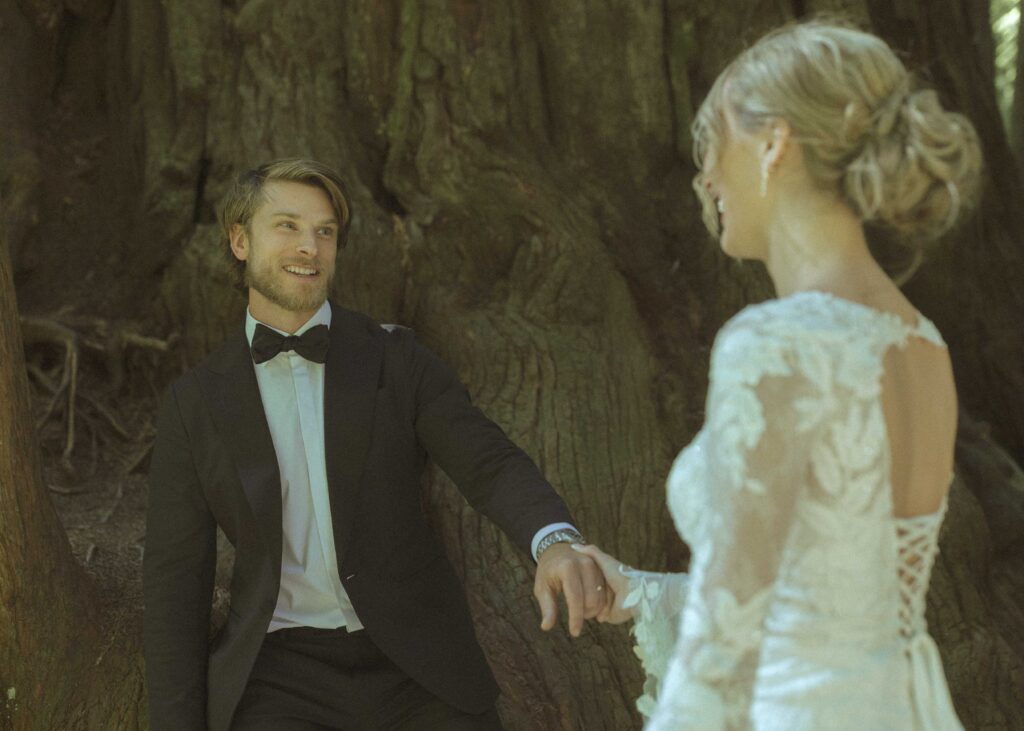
{"points": [[762, 414], [657, 600]]}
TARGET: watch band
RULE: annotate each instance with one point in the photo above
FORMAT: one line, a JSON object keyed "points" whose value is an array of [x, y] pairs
{"points": [[562, 535]]}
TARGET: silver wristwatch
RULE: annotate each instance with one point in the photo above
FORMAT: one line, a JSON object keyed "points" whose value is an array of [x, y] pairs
{"points": [[562, 535]]}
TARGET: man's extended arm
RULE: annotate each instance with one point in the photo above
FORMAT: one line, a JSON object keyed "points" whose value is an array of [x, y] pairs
{"points": [[495, 476], [502, 482]]}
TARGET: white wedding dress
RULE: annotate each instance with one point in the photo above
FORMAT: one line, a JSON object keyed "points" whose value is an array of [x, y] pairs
{"points": [[804, 606]]}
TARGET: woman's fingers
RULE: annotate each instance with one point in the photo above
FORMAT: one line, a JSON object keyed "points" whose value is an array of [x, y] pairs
{"points": [[609, 565]]}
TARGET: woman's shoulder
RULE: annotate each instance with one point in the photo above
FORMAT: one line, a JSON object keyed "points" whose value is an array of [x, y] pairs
{"points": [[792, 320], [809, 331], [811, 315]]}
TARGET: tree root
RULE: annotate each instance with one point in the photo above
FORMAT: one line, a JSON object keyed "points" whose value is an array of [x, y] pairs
{"points": [[35, 330], [70, 336]]}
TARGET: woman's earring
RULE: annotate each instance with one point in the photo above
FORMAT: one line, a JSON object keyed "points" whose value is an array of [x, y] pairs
{"points": [[764, 177]]}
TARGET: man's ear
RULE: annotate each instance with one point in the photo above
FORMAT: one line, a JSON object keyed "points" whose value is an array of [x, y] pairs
{"points": [[239, 242]]}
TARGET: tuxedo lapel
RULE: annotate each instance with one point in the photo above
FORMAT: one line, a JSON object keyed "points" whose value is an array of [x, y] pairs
{"points": [[238, 413], [350, 392]]}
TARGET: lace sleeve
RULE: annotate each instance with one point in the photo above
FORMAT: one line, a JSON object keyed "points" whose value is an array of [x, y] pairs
{"points": [[762, 412], [657, 600]]}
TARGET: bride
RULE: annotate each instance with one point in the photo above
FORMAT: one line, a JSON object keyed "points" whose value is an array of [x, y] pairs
{"points": [[813, 495]]}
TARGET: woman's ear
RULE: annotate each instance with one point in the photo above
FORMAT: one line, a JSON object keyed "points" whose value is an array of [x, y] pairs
{"points": [[239, 242], [776, 142]]}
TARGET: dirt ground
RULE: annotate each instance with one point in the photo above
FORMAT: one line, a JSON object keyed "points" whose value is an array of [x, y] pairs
{"points": [[99, 487]]}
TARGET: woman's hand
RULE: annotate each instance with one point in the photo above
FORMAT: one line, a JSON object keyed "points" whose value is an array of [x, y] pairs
{"points": [[614, 581]]}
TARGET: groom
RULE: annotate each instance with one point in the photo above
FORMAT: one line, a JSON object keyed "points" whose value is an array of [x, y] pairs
{"points": [[303, 437]]}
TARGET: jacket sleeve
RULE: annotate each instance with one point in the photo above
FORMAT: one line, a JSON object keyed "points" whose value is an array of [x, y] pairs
{"points": [[494, 475], [178, 578]]}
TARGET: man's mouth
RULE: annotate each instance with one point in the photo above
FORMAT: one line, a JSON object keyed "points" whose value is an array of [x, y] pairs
{"points": [[301, 271]]}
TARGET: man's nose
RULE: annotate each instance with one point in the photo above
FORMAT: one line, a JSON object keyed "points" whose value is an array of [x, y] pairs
{"points": [[307, 244]]}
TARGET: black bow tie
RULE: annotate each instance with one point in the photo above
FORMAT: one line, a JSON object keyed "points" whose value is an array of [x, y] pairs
{"points": [[311, 345]]}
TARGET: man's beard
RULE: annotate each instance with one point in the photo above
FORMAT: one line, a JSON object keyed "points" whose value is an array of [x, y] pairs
{"points": [[261, 277]]}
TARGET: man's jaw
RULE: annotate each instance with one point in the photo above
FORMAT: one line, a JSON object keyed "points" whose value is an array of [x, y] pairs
{"points": [[311, 287]]}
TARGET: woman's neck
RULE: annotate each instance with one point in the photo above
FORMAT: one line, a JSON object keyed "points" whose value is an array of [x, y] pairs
{"points": [[819, 243]]}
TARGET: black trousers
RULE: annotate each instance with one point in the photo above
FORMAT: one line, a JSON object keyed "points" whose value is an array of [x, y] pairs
{"points": [[309, 679]]}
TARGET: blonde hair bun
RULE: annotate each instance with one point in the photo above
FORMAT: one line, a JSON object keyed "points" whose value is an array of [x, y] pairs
{"points": [[896, 156], [918, 166]]}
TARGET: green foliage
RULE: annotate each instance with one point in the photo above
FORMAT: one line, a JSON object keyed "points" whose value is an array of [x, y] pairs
{"points": [[1005, 16]]}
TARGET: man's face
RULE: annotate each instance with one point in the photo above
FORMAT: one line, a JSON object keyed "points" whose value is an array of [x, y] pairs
{"points": [[290, 250]]}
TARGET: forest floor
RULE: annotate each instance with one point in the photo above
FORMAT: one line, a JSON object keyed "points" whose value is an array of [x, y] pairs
{"points": [[99, 492], [98, 483], [100, 487]]}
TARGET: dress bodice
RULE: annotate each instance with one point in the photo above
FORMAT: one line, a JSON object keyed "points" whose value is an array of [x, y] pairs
{"points": [[800, 575]]}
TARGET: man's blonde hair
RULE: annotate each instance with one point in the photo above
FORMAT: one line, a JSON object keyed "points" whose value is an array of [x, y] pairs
{"points": [[247, 193]]}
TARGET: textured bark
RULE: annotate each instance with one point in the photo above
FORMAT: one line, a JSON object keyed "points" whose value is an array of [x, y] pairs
{"points": [[1017, 117], [62, 663], [21, 67], [520, 178], [34, 555]]}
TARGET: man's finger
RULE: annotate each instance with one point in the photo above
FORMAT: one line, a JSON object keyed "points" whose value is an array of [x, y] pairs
{"points": [[548, 606], [595, 575], [596, 590], [606, 611], [572, 587]]}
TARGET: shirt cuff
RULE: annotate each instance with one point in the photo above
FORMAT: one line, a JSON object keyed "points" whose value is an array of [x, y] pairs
{"points": [[543, 533]]}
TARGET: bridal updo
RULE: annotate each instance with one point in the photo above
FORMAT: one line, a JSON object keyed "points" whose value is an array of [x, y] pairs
{"points": [[866, 129]]}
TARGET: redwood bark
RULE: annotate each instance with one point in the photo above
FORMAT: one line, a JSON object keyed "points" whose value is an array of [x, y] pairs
{"points": [[48, 611], [1016, 131]]}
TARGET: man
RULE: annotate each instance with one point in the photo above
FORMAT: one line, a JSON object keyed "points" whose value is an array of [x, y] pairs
{"points": [[304, 438]]}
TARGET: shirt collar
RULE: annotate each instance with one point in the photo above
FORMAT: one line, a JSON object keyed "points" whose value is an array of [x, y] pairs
{"points": [[320, 317]]}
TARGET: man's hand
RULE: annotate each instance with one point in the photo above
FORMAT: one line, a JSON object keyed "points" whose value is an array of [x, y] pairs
{"points": [[561, 569], [616, 584]]}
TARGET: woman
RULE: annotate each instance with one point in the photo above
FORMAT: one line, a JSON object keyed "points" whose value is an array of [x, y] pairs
{"points": [[813, 495]]}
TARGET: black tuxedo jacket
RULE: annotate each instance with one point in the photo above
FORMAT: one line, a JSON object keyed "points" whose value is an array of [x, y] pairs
{"points": [[388, 404]]}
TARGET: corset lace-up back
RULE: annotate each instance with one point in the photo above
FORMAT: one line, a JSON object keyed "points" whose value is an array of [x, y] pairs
{"points": [[917, 540]]}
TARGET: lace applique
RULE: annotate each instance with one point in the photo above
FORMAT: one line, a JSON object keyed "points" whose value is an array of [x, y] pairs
{"points": [[785, 500], [710, 692], [658, 600], [761, 412]]}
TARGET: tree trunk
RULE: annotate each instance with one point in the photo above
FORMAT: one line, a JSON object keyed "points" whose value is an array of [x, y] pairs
{"points": [[62, 663], [34, 555], [520, 175], [1017, 117]]}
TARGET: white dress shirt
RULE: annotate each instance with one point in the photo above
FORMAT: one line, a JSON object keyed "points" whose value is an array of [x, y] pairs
{"points": [[292, 390]]}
